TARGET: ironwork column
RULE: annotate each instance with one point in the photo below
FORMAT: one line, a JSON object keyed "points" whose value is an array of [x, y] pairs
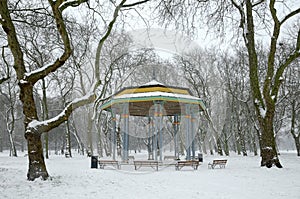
{"points": [[193, 120], [188, 130], [176, 123], [113, 136], [150, 138], [155, 130], [125, 117], [160, 115]]}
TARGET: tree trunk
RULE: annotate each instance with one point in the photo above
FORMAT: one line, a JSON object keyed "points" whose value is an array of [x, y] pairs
{"points": [[13, 151], [243, 143], [37, 167], [46, 140], [292, 131], [89, 133], [269, 153], [226, 144], [297, 143], [45, 117], [254, 144], [210, 148], [219, 146], [68, 153], [79, 142]]}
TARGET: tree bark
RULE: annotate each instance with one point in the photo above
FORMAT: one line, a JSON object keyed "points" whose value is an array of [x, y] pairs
{"points": [[269, 153], [37, 167]]}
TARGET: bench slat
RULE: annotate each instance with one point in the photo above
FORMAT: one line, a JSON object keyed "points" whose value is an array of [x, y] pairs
{"points": [[221, 164], [193, 163], [103, 163], [150, 163]]}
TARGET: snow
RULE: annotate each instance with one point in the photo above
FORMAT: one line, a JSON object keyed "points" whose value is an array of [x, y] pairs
{"points": [[35, 123], [73, 178], [23, 81], [39, 70], [68, 1], [262, 112], [152, 83], [273, 97]]}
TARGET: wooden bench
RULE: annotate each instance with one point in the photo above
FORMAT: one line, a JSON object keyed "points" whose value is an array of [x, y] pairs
{"points": [[147, 163], [221, 164], [114, 163], [169, 157], [192, 163]]}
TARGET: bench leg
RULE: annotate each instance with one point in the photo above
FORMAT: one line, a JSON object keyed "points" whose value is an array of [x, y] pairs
{"points": [[209, 166]]}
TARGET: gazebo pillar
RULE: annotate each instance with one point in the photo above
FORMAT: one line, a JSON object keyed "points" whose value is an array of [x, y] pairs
{"points": [[125, 116], [193, 120], [160, 115], [150, 138], [188, 131], [158, 129], [176, 125], [113, 134], [155, 131]]}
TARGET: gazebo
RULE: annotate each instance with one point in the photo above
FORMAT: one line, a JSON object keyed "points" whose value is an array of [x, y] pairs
{"points": [[155, 100]]}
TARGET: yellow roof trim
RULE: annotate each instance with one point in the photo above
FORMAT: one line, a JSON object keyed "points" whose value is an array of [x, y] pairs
{"points": [[153, 89]]}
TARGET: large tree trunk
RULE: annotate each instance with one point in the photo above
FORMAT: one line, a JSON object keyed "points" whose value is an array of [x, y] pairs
{"points": [[264, 97], [37, 167], [269, 155]]}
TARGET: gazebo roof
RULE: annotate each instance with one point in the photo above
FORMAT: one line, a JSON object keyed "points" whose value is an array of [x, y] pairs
{"points": [[141, 99]]}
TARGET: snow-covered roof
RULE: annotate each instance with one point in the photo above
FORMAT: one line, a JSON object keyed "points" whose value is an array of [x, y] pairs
{"points": [[153, 83]]}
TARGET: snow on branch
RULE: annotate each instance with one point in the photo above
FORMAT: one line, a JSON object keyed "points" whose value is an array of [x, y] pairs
{"points": [[47, 125], [73, 3]]}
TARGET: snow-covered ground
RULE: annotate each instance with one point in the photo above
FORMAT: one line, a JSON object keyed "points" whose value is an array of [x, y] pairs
{"points": [[74, 178]]}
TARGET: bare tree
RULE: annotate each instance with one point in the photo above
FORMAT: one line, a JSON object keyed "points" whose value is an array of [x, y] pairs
{"points": [[254, 16], [13, 13]]}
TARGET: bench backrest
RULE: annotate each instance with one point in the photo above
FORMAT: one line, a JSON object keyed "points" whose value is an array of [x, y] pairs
{"points": [[219, 161]]}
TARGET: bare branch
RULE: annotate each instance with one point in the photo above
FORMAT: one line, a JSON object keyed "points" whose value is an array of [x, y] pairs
{"points": [[134, 4], [12, 39], [257, 3], [292, 57], [40, 73], [75, 3], [45, 126], [290, 15], [102, 40]]}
